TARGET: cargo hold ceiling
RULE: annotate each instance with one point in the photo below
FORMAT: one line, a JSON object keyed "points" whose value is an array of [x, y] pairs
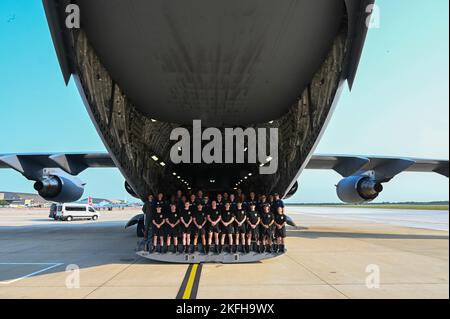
{"points": [[225, 62]]}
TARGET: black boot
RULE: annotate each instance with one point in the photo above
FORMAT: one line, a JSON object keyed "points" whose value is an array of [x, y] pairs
{"points": [[282, 250], [186, 249], [152, 249], [220, 249], [216, 249], [269, 248], [192, 249], [180, 249], [207, 249]]}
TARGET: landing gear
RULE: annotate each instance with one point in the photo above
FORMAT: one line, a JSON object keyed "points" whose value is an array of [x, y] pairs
{"points": [[140, 229]]}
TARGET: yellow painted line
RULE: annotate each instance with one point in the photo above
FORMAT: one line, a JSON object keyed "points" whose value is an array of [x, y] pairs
{"points": [[190, 283]]}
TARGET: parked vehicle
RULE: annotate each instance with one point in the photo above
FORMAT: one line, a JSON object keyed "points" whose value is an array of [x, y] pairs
{"points": [[53, 211], [69, 212]]}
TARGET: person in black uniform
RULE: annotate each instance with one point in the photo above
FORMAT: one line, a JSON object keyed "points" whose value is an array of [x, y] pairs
{"points": [[220, 202], [263, 202], [148, 210], [277, 202], [200, 227], [173, 227], [240, 227], [251, 200], [243, 200], [270, 200], [253, 221], [266, 229], [233, 202], [186, 221], [206, 203], [280, 229], [213, 225], [179, 195], [227, 226], [193, 202], [199, 195], [158, 230], [160, 202]]}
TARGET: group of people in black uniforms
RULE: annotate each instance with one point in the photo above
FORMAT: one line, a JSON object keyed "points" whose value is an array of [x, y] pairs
{"points": [[229, 222]]}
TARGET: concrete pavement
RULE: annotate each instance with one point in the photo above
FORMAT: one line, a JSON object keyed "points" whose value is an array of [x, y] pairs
{"points": [[332, 255]]}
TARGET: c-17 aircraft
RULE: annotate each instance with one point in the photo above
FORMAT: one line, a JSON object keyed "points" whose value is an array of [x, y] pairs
{"points": [[144, 68]]}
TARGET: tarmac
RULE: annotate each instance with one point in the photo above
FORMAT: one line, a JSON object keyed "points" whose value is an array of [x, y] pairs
{"points": [[334, 253]]}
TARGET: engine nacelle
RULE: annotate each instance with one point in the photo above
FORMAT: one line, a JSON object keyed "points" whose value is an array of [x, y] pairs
{"points": [[59, 189], [358, 189], [130, 190], [292, 191]]}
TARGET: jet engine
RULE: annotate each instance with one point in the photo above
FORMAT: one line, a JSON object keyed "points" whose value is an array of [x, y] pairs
{"points": [[59, 188], [130, 190], [358, 189]]}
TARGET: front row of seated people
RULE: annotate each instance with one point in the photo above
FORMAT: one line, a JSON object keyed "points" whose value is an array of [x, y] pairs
{"points": [[230, 226]]}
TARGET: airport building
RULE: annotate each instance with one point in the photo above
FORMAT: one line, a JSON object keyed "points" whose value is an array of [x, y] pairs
{"points": [[22, 199]]}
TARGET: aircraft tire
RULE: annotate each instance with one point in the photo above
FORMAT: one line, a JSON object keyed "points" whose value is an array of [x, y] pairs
{"points": [[140, 229]]}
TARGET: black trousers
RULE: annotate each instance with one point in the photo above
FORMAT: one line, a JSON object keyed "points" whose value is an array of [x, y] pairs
{"points": [[148, 226]]}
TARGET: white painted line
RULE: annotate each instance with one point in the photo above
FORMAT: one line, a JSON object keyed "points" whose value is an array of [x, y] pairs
{"points": [[53, 265]]}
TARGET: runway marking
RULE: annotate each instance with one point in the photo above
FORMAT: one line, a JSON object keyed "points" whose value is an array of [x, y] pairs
{"points": [[53, 265], [191, 281]]}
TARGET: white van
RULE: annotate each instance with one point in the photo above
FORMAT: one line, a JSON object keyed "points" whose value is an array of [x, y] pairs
{"points": [[70, 212]]}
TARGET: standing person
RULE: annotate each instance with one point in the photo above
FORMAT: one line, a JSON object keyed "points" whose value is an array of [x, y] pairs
{"points": [[233, 202], [183, 201], [263, 202], [158, 233], [270, 200], [277, 202], [160, 202], [251, 200], [199, 195], [240, 227], [220, 202], [173, 227], [238, 193], [253, 221], [193, 202], [186, 221], [227, 226], [226, 197], [243, 200], [179, 195], [280, 229], [206, 203], [148, 210], [266, 229], [214, 221], [200, 224]]}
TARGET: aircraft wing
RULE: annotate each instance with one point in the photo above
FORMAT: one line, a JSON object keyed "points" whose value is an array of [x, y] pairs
{"points": [[346, 165], [385, 167], [71, 163]]}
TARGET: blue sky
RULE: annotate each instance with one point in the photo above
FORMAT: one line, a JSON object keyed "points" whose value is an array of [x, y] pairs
{"points": [[399, 104]]}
